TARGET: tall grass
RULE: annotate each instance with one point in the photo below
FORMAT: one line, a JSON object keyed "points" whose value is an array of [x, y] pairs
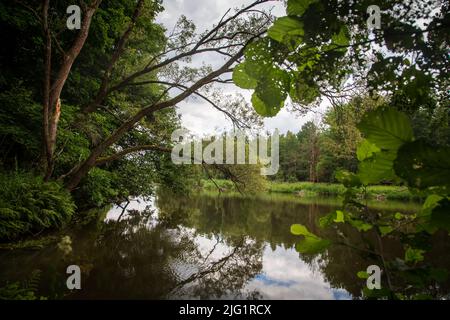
{"points": [[330, 189], [308, 187]]}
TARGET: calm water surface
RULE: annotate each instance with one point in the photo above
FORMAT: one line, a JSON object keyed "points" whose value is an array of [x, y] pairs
{"points": [[207, 247]]}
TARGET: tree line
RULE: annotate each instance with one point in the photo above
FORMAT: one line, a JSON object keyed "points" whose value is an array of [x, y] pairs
{"points": [[320, 149]]}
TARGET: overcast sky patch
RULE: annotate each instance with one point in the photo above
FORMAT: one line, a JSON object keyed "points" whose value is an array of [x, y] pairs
{"points": [[197, 115]]}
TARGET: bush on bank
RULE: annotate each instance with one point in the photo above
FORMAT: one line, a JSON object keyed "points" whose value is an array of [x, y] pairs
{"points": [[28, 205]]}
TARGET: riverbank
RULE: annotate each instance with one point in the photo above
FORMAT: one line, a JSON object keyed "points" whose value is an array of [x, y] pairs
{"points": [[310, 189]]}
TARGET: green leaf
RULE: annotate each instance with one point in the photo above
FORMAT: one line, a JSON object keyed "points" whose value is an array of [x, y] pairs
{"points": [[298, 7], [431, 201], [300, 230], [341, 39], [327, 220], [385, 230], [398, 216], [242, 79], [301, 92], [386, 128], [362, 274], [260, 57], [312, 245], [422, 165], [286, 29], [263, 109], [259, 50], [414, 255], [360, 225], [271, 92], [366, 150], [339, 216], [380, 167]]}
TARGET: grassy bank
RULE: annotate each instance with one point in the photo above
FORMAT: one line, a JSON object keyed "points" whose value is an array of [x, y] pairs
{"points": [[330, 189], [401, 205], [309, 189]]}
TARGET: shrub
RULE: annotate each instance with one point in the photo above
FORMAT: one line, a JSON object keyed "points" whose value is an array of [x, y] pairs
{"points": [[25, 290], [29, 205]]}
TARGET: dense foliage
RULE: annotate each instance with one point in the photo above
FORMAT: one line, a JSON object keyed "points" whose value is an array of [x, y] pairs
{"points": [[28, 205], [21, 62], [322, 46]]}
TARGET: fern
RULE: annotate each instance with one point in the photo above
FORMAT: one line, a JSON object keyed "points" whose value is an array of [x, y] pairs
{"points": [[25, 290], [29, 205]]}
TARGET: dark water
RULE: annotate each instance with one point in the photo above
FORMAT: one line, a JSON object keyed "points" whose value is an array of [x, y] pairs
{"points": [[209, 247]]}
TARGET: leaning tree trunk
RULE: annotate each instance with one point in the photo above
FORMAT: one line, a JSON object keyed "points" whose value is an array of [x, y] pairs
{"points": [[53, 89]]}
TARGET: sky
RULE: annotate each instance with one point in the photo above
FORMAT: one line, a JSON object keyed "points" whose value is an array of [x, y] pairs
{"points": [[197, 115]]}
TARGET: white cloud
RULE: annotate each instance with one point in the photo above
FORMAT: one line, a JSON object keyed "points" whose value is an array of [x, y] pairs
{"points": [[205, 13], [286, 276], [197, 116], [283, 276]]}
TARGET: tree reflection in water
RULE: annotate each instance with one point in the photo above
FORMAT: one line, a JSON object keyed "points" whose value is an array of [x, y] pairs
{"points": [[142, 258], [268, 220], [212, 247]]}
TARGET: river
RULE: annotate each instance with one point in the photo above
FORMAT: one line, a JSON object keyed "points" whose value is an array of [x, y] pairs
{"points": [[209, 247]]}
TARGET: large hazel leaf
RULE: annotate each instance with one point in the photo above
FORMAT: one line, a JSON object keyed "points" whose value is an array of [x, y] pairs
{"points": [[285, 29], [311, 244], [271, 92], [366, 150], [298, 7], [386, 128], [242, 79], [263, 109], [260, 57], [379, 167]]}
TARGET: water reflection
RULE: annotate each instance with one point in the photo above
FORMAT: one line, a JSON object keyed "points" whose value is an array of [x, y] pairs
{"points": [[208, 247]]}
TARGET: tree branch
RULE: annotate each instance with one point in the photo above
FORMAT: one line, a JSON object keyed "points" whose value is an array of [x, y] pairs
{"points": [[236, 121], [119, 49], [208, 37], [90, 162], [117, 156]]}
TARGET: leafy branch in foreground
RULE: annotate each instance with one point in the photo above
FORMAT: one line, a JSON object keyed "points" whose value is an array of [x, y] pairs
{"points": [[321, 47], [390, 152]]}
